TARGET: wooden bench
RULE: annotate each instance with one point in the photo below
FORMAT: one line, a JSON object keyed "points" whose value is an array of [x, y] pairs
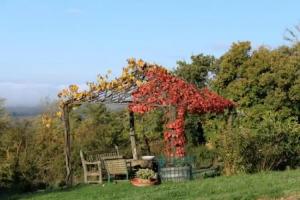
{"points": [[116, 167], [93, 164]]}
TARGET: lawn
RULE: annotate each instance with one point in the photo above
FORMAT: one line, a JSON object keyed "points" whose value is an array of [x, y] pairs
{"points": [[267, 185]]}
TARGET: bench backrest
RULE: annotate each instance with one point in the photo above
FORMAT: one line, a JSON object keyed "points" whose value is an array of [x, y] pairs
{"points": [[97, 156], [116, 166]]}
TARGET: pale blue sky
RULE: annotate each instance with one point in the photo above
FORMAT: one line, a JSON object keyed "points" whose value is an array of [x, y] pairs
{"points": [[48, 44]]}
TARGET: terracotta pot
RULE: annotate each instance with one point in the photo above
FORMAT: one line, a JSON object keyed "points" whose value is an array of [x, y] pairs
{"points": [[143, 182]]}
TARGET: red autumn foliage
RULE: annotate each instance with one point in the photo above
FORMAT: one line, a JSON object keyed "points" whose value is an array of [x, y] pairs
{"points": [[165, 89]]}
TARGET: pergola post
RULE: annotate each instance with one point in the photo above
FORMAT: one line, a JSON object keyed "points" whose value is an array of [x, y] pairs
{"points": [[132, 135], [67, 148]]}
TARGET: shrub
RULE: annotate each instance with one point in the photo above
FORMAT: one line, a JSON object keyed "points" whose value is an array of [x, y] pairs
{"points": [[274, 143], [203, 156], [145, 174], [255, 140]]}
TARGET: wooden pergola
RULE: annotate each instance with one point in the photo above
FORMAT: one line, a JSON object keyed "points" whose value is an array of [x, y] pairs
{"points": [[164, 87], [112, 94]]}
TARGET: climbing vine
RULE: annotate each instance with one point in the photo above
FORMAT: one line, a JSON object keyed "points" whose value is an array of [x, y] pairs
{"points": [[163, 89], [146, 87], [104, 88]]}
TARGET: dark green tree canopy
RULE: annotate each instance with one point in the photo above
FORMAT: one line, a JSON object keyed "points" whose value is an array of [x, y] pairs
{"points": [[198, 71], [261, 77]]}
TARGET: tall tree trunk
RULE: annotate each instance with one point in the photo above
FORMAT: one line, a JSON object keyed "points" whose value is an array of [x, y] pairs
{"points": [[67, 148], [132, 135]]}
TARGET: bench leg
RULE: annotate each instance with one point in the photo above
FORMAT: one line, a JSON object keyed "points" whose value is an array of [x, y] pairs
{"points": [[100, 173], [85, 176], [100, 178], [108, 178]]}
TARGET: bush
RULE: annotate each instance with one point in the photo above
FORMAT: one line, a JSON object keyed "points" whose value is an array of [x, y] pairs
{"points": [[203, 156], [145, 174], [273, 144], [257, 142]]}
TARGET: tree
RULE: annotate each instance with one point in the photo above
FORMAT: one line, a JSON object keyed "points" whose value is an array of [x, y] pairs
{"points": [[149, 128], [292, 34], [5, 178], [230, 66], [197, 72], [264, 77], [260, 81], [102, 128], [3, 117]]}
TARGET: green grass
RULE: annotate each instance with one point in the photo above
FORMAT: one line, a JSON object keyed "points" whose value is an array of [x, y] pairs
{"points": [[261, 185]]}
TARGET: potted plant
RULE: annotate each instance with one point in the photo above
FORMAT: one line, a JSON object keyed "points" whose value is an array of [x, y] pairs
{"points": [[144, 177]]}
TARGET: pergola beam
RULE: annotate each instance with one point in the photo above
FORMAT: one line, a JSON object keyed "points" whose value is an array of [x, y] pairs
{"points": [[67, 147], [132, 135]]}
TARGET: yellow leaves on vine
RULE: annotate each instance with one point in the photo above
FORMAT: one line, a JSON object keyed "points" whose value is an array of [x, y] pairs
{"points": [[140, 63], [73, 88], [46, 121], [131, 75], [59, 114], [139, 83]]}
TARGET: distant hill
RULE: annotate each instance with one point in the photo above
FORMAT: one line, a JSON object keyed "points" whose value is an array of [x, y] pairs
{"points": [[24, 111], [30, 111]]}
